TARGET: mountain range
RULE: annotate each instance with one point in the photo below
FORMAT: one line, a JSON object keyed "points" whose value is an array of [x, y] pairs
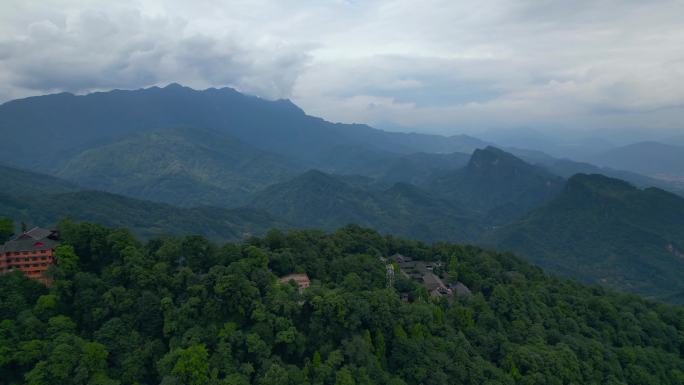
{"points": [[63, 125], [173, 160]]}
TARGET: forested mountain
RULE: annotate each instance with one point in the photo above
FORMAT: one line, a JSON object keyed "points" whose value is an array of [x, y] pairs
{"points": [[606, 231], [37, 199], [63, 125], [229, 146], [186, 311], [146, 219], [319, 200], [14, 181], [419, 168], [181, 166], [498, 185]]}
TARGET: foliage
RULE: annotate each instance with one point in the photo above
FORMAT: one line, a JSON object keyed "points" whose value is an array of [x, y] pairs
{"points": [[146, 219], [181, 166], [319, 200], [186, 311]]}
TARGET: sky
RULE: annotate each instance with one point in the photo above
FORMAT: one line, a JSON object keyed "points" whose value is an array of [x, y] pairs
{"points": [[450, 67]]}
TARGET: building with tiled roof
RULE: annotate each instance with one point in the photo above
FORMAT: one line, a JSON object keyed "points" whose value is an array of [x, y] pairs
{"points": [[31, 252], [302, 280]]}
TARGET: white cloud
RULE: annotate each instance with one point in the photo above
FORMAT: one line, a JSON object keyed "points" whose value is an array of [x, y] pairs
{"points": [[435, 64]]}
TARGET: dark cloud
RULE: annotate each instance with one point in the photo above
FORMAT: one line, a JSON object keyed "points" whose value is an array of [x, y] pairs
{"points": [[443, 65], [100, 50]]}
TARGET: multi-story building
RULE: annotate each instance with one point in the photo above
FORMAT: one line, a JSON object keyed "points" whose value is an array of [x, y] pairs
{"points": [[31, 252]]}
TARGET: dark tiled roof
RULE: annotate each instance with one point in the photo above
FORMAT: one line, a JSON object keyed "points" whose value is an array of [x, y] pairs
{"points": [[29, 245], [32, 240], [39, 233], [460, 289], [432, 282]]}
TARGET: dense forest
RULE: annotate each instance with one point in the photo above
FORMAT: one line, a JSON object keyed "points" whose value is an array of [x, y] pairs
{"points": [[187, 311]]}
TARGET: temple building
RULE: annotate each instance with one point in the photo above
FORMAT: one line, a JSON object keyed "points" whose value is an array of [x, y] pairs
{"points": [[302, 280], [31, 252]]}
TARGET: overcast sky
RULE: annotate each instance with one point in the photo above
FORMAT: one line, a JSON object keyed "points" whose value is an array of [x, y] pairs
{"points": [[444, 66]]}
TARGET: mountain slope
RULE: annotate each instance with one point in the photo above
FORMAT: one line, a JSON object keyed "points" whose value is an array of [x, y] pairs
{"points": [[15, 181], [567, 168], [648, 158], [319, 200], [498, 185], [63, 125], [606, 231], [146, 219], [38, 199], [181, 166], [420, 167]]}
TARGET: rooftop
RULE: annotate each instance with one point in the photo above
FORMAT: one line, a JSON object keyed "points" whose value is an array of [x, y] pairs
{"points": [[32, 240]]}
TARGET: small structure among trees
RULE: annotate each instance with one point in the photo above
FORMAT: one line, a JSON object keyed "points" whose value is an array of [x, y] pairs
{"points": [[426, 273], [301, 279], [32, 252]]}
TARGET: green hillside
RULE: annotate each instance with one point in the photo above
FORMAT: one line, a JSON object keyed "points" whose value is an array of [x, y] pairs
{"points": [[498, 185], [419, 168], [186, 311], [14, 181], [181, 166], [606, 231], [145, 219], [41, 200], [319, 200]]}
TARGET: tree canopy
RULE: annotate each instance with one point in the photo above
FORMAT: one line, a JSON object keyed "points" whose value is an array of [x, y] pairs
{"points": [[187, 311]]}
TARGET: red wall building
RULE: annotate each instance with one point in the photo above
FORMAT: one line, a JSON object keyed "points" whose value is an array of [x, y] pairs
{"points": [[31, 252]]}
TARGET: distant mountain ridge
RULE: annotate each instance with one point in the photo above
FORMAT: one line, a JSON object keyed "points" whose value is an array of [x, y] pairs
{"points": [[648, 158], [64, 125]]}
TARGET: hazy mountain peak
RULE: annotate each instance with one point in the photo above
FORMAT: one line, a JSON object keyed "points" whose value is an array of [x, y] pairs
{"points": [[491, 159], [175, 86]]}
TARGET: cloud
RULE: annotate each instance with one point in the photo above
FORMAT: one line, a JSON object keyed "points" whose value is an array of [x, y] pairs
{"points": [[92, 49], [436, 65]]}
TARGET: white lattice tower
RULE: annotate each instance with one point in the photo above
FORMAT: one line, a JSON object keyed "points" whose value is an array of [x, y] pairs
{"points": [[390, 275]]}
